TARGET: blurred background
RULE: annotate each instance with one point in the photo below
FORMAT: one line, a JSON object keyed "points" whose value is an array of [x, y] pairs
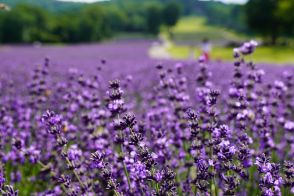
{"points": [[179, 29]]}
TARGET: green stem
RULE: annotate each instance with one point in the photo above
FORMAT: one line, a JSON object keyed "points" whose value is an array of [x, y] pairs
{"points": [[188, 172], [52, 174], [157, 187], [180, 192], [195, 190], [70, 164], [63, 188], [124, 165], [213, 187], [42, 164], [116, 193], [153, 181], [125, 168], [75, 173]]}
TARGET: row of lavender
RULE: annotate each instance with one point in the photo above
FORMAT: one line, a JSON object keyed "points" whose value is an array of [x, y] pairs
{"points": [[191, 129]]}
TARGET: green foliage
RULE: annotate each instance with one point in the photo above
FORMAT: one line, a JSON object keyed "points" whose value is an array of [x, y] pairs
{"points": [[27, 23], [285, 13], [49, 5], [154, 19], [271, 18], [216, 13], [66, 27], [171, 14], [263, 22], [92, 24], [11, 28], [27, 171], [116, 19]]}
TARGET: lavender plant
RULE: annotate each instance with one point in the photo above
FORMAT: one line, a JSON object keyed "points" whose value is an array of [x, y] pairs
{"points": [[189, 129]]}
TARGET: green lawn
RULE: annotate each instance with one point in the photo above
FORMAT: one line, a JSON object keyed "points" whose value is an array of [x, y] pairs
{"points": [[191, 30], [261, 55], [195, 29]]}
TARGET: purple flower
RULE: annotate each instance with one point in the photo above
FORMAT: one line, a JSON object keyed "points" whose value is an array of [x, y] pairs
{"points": [[52, 122], [139, 171], [9, 191], [267, 192], [268, 179], [74, 153], [263, 164], [101, 143], [2, 179], [289, 125], [97, 159], [33, 154], [248, 47]]}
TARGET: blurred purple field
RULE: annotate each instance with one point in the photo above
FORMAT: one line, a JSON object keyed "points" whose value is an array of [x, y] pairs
{"points": [[118, 55], [114, 58]]}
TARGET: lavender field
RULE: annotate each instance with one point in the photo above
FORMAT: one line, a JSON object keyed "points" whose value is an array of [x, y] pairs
{"points": [[106, 119]]}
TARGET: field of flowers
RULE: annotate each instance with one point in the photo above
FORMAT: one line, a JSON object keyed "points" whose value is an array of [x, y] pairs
{"points": [[108, 120]]}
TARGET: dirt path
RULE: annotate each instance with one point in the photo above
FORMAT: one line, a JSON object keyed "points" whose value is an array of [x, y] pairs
{"points": [[159, 49]]}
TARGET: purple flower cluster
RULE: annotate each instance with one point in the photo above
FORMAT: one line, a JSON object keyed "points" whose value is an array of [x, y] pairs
{"points": [[271, 180], [185, 130]]}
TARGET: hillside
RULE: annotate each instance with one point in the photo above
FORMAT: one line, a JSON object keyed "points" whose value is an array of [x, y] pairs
{"points": [[50, 5], [217, 13]]}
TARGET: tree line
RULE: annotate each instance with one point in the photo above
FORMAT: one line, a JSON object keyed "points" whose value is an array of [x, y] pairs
{"points": [[73, 23], [271, 19], [26, 23]]}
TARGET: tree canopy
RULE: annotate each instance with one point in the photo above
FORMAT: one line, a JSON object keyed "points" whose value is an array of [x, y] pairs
{"points": [[270, 18], [171, 14], [26, 23]]}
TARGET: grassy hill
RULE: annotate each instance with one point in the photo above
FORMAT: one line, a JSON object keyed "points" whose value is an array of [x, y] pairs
{"points": [[189, 32], [193, 29], [217, 13], [263, 54], [50, 5]]}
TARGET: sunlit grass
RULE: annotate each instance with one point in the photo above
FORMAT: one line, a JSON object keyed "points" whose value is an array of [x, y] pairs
{"points": [[195, 29], [263, 54], [191, 30]]}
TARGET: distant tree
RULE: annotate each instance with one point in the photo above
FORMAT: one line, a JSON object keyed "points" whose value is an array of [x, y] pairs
{"points": [[34, 20], [12, 28], [92, 24], [116, 18], [136, 14], [171, 14], [66, 28], [153, 19], [26, 23], [285, 13], [37, 23], [262, 19], [1, 26]]}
